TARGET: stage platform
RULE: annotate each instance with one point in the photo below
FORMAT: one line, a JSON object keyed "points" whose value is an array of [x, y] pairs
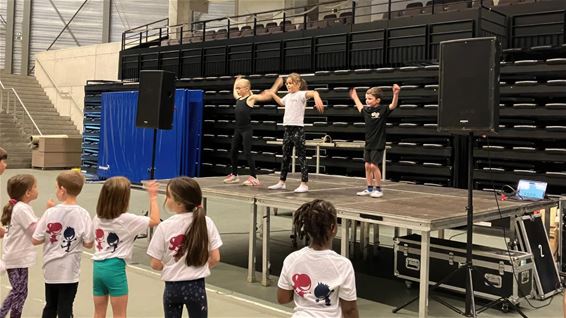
{"points": [[414, 207]]}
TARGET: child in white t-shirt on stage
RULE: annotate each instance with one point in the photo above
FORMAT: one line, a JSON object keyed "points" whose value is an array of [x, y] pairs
{"points": [[64, 229], [320, 281], [185, 248], [115, 232], [18, 253], [295, 103]]}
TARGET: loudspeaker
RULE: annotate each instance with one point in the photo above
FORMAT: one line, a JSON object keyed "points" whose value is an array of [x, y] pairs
{"points": [[468, 98], [156, 100]]}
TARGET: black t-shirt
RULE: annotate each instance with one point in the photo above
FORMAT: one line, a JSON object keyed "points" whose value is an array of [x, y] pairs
{"points": [[243, 114], [375, 119]]}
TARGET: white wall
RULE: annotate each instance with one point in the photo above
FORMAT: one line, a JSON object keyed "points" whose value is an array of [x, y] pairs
{"points": [[253, 6], [63, 75]]}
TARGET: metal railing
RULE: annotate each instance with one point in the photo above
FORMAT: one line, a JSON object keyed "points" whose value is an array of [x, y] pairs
{"points": [[11, 103], [154, 31]]}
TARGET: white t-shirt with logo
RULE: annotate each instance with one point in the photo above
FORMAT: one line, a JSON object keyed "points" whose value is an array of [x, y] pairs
{"points": [[114, 238], [295, 104], [319, 279], [63, 228], [167, 240], [18, 251]]}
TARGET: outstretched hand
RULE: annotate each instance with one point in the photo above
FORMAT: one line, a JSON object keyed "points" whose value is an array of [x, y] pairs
{"points": [[396, 89], [319, 107], [152, 188], [353, 94]]}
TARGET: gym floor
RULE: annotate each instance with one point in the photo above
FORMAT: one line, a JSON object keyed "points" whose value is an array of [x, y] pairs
{"points": [[229, 294]]}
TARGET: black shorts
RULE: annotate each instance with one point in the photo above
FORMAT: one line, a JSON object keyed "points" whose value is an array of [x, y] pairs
{"points": [[373, 156]]}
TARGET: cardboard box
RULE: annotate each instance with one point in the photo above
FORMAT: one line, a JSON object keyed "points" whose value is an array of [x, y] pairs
{"points": [[42, 159]]}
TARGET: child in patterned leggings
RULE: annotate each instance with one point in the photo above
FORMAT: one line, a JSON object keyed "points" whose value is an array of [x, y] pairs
{"points": [[293, 121], [18, 252]]}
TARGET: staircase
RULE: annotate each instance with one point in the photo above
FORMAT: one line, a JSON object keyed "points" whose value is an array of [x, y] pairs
{"points": [[16, 144], [41, 110]]}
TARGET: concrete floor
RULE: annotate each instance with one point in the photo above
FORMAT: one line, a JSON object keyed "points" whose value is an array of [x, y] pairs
{"points": [[229, 295]]}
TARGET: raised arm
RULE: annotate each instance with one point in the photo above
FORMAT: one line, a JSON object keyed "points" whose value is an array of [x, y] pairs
{"points": [[267, 94], [152, 189], [356, 99], [396, 89], [234, 92]]}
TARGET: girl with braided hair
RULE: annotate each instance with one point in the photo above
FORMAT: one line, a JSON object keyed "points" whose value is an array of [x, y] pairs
{"points": [[320, 281]]}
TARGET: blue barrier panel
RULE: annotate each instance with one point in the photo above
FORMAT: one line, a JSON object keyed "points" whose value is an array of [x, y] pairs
{"points": [[125, 150]]}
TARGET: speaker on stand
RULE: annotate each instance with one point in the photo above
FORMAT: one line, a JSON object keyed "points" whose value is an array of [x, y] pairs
{"points": [[468, 103], [155, 105]]}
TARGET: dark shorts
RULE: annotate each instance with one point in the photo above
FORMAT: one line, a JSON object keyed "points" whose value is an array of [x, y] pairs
{"points": [[373, 156]]}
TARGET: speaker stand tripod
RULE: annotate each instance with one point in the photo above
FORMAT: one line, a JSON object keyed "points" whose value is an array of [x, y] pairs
{"points": [[470, 306]]}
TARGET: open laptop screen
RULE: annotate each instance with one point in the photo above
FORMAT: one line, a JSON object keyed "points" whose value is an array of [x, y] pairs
{"points": [[527, 189]]}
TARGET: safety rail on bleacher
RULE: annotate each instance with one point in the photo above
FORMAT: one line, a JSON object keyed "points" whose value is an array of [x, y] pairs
{"points": [[150, 32]]}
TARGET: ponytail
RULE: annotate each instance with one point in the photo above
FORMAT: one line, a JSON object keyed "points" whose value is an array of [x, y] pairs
{"points": [[7, 213], [17, 187], [303, 86], [195, 244]]}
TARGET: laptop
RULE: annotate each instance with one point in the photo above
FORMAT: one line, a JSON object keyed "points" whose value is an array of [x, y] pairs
{"points": [[528, 190]]}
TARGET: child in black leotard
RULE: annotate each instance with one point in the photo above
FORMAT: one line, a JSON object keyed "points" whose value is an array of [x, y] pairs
{"points": [[243, 132]]}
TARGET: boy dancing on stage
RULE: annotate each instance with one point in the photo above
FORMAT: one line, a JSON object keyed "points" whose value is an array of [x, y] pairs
{"points": [[375, 117]]}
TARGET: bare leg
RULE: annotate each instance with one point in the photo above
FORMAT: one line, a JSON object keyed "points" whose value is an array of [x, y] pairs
{"points": [[100, 305], [119, 306], [369, 175], [377, 175]]}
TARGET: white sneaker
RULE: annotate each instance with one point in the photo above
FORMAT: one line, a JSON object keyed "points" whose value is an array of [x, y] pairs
{"points": [[278, 186], [231, 178], [376, 194], [364, 193], [302, 189]]}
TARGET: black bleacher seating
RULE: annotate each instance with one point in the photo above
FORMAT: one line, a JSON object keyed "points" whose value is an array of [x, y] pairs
{"points": [[346, 17], [221, 34], [287, 26], [209, 35], [272, 27]]}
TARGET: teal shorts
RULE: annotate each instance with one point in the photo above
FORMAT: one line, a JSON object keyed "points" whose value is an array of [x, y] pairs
{"points": [[109, 278]]}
